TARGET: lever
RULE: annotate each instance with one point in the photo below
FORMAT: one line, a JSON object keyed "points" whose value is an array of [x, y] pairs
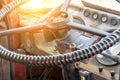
{"points": [[87, 29]]}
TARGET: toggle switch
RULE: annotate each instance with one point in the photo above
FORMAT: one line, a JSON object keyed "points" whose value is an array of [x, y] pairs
{"points": [[112, 72], [100, 69]]}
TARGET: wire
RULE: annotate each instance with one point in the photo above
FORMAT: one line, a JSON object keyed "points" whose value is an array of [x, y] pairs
{"points": [[58, 59], [62, 58], [9, 7]]}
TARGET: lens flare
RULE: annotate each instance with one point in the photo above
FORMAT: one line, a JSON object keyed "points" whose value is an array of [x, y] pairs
{"points": [[35, 4]]}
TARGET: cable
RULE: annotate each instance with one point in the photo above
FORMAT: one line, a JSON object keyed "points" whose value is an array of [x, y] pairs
{"points": [[58, 59], [62, 58], [9, 7]]}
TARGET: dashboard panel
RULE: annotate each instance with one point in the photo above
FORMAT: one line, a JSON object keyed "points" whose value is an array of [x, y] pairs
{"points": [[96, 18], [103, 19], [99, 18]]}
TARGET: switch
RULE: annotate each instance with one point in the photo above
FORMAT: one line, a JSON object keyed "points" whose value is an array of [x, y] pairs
{"points": [[100, 69], [112, 72]]}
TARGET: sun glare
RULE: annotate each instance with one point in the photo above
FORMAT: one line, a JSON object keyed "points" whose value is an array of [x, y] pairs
{"points": [[35, 4]]}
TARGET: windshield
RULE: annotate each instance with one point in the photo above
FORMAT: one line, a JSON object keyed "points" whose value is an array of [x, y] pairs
{"points": [[37, 4], [41, 7], [111, 4]]}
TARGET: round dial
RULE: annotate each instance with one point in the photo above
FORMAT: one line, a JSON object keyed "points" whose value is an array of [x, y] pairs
{"points": [[95, 16], [104, 18], [86, 13], [114, 21]]}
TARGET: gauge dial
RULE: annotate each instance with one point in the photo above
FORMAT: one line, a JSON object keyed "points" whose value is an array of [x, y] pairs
{"points": [[104, 18], [95, 16], [86, 13], [114, 21]]}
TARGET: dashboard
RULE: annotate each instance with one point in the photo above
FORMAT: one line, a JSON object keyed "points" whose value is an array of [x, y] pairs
{"points": [[89, 14], [96, 18], [106, 19], [54, 40]]}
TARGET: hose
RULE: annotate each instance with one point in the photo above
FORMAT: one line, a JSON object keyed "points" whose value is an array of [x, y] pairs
{"points": [[9, 7], [59, 59], [62, 58]]}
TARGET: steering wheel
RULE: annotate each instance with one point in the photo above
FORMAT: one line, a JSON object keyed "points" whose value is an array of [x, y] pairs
{"points": [[57, 59]]}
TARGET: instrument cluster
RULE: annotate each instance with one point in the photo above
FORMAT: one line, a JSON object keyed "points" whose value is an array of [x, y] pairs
{"points": [[96, 18], [105, 21], [102, 17]]}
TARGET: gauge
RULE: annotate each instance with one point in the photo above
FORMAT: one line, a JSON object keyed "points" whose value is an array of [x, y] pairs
{"points": [[95, 16], [114, 21], [104, 18], [86, 13]]}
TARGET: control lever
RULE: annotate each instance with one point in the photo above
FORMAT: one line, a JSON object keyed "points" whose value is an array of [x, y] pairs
{"points": [[87, 29]]}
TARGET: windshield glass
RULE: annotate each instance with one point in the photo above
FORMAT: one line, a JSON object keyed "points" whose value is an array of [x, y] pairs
{"points": [[37, 4], [112, 4]]}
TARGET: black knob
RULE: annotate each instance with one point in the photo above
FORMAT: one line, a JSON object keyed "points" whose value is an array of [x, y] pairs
{"points": [[100, 69], [112, 72]]}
